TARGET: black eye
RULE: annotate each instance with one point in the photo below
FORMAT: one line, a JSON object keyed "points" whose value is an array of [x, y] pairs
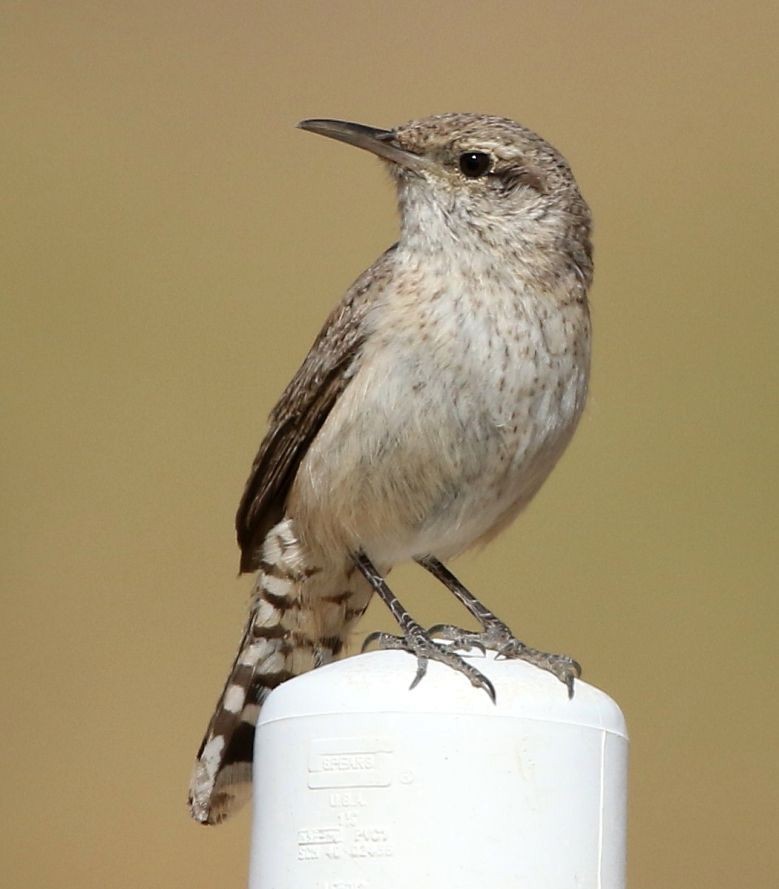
{"points": [[474, 164]]}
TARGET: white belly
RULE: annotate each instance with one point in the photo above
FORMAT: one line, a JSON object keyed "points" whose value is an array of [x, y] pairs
{"points": [[453, 421]]}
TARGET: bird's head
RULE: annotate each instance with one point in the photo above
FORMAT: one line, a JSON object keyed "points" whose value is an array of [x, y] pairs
{"points": [[477, 180]]}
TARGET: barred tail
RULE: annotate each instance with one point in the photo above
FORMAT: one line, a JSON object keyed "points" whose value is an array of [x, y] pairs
{"points": [[299, 619]]}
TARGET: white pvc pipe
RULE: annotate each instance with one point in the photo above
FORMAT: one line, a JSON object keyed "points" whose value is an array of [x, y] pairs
{"points": [[363, 784]]}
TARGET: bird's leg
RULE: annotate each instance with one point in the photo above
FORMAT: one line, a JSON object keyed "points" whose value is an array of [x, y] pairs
{"points": [[414, 639], [495, 635]]}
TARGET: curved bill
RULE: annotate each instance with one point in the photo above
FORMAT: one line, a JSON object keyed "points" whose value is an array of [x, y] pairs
{"points": [[378, 142]]}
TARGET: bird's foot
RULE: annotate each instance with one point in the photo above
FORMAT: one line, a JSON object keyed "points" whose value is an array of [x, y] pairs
{"points": [[497, 637], [418, 642]]}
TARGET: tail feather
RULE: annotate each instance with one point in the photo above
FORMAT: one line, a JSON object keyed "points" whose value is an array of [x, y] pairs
{"points": [[296, 622], [221, 781]]}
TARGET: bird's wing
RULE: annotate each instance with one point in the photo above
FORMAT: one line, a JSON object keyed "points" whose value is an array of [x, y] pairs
{"points": [[303, 408]]}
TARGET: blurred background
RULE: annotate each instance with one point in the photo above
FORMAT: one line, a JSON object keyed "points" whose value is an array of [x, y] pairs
{"points": [[170, 246]]}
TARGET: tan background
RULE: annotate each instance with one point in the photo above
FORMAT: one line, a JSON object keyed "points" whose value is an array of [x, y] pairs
{"points": [[170, 245]]}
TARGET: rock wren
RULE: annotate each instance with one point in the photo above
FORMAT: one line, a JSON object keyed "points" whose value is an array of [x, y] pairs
{"points": [[435, 401]]}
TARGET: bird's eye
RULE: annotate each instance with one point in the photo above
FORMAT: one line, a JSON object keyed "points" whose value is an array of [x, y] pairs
{"points": [[474, 164]]}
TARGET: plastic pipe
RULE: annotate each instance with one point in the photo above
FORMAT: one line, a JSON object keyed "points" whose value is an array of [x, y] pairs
{"points": [[361, 783]]}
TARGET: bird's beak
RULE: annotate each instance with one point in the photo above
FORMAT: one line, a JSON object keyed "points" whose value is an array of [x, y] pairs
{"points": [[378, 142]]}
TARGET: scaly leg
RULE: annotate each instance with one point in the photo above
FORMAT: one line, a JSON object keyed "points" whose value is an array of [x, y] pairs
{"points": [[414, 639], [495, 635]]}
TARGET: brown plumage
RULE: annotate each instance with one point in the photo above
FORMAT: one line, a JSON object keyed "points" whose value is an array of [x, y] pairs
{"points": [[301, 410]]}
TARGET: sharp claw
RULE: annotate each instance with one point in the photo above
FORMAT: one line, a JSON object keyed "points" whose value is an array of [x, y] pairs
{"points": [[369, 640], [421, 670], [490, 689]]}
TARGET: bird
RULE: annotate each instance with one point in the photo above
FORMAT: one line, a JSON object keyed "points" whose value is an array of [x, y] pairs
{"points": [[438, 396]]}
